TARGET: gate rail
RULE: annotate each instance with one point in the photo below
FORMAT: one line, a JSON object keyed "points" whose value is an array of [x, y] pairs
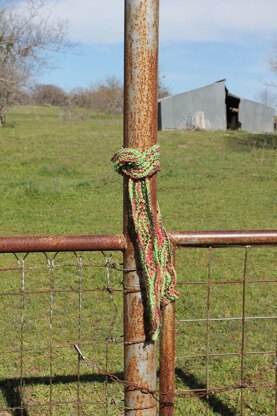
{"points": [[224, 238], [227, 238]]}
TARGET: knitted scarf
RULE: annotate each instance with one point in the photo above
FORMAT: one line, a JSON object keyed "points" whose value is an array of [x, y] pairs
{"points": [[155, 251]]}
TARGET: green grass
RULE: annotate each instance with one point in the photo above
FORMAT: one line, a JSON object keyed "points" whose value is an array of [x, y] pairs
{"points": [[57, 178]]}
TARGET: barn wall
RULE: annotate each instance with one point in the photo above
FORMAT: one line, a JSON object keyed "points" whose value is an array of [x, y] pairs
{"points": [[200, 108], [256, 117]]}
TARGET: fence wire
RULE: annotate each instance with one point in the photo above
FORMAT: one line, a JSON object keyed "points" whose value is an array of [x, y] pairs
{"points": [[226, 327], [61, 348], [55, 310]]}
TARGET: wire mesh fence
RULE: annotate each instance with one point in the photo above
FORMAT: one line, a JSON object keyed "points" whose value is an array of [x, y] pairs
{"points": [[61, 334], [226, 326]]}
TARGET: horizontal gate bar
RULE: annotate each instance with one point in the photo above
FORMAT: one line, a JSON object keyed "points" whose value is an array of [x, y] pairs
{"points": [[118, 242], [223, 238], [62, 243], [246, 318]]}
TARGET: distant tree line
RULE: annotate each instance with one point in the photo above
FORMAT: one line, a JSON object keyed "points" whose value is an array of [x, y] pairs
{"points": [[28, 38], [103, 97]]}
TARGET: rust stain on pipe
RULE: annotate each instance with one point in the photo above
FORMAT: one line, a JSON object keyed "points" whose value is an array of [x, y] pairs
{"points": [[167, 361], [140, 132], [141, 63], [139, 358], [65, 243], [118, 242]]}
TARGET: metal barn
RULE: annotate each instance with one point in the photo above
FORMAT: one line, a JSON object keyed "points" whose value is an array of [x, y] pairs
{"points": [[213, 107]]}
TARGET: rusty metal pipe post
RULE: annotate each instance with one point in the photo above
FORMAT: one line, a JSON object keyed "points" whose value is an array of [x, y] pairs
{"points": [[167, 361], [167, 358], [140, 131]]}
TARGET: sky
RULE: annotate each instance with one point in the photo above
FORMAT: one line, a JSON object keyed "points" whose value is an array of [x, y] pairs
{"points": [[201, 41]]}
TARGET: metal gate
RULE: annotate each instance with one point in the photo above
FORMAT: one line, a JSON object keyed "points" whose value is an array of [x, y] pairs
{"points": [[56, 293], [54, 338]]}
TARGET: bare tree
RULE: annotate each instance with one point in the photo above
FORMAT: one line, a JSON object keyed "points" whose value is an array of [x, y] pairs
{"points": [[163, 90], [26, 35], [267, 97], [273, 58], [109, 96], [48, 94], [105, 97]]}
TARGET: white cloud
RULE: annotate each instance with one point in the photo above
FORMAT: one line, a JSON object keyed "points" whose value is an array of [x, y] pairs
{"points": [[200, 20], [92, 21], [101, 21]]}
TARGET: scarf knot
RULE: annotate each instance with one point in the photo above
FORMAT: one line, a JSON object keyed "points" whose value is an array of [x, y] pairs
{"points": [[136, 164], [154, 246]]}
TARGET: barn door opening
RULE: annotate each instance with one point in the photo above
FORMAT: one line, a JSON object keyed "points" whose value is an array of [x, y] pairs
{"points": [[232, 111]]}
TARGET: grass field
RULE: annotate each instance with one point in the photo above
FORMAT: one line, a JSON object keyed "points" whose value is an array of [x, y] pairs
{"points": [[57, 178]]}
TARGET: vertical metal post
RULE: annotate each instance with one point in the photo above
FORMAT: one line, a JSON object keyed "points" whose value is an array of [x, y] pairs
{"points": [[242, 359], [167, 361], [276, 381], [208, 327], [140, 131]]}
